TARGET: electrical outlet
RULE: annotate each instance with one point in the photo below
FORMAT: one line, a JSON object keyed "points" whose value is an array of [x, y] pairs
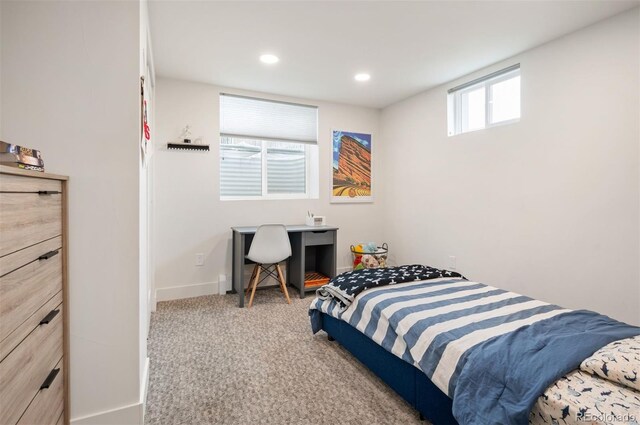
{"points": [[199, 259], [452, 263]]}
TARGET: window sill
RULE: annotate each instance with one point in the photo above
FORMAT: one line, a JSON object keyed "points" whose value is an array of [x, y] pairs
{"points": [[498, 124], [282, 197]]}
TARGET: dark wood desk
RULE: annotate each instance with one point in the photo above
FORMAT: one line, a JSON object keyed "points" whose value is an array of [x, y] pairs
{"points": [[312, 248]]}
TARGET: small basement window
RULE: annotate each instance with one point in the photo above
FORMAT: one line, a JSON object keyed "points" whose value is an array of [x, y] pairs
{"points": [[485, 102]]}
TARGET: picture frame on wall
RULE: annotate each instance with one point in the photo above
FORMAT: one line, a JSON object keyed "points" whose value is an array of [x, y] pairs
{"points": [[352, 167]]}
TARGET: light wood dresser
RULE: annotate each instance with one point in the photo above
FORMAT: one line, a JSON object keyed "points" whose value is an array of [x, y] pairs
{"points": [[34, 361]]}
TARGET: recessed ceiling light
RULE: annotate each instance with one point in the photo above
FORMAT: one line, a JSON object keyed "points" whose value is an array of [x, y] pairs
{"points": [[362, 77], [268, 58]]}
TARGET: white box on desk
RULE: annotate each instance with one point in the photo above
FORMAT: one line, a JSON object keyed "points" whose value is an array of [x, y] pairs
{"points": [[316, 220]]}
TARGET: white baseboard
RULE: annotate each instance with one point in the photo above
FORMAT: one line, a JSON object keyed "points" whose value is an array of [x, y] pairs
{"points": [[126, 415], [145, 388], [186, 291], [132, 414], [207, 288]]}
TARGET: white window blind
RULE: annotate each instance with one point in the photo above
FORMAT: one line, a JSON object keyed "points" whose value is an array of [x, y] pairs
{"points": [[286, 168], [247, 117], [265, 148], [240, 167]]}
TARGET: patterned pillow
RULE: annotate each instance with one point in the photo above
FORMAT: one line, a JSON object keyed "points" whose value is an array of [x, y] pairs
{"points": [[618, 362]]}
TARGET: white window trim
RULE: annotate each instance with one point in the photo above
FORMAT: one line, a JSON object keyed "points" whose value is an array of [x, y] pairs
{"points": [[454, 105], [277, 196]]}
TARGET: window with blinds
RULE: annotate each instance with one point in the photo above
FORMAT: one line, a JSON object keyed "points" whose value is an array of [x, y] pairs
{"points": [[485, 102], [265, 148]]}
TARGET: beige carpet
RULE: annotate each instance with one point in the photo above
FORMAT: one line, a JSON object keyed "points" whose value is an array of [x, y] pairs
{"points": [[214, 363]]}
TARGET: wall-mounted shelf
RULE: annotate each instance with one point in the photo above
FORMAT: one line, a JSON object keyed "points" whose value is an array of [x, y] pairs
{"points": [[187, 147]]}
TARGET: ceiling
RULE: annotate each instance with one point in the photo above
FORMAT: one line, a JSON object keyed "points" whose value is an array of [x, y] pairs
{"points": [[407, 47]]}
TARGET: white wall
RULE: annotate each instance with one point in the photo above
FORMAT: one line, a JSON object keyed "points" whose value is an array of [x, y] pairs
{"points": [[547, 207], [190, 218], [70, 78]]}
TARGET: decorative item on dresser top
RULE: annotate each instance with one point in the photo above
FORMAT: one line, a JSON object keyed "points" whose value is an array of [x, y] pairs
{"points": [[20, 157], [34, 372]]}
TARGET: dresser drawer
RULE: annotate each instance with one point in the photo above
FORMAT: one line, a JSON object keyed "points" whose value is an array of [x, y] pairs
{"points": [[26, 289], [14, 261], [9, 183], [25, 328], [27, 367], [319, 238], [27, 219], [48, 405]]}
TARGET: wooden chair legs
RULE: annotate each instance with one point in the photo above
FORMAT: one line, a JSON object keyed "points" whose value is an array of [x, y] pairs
{"points": [[253, 275], [283, 284], [254, 285], [255, 279]]}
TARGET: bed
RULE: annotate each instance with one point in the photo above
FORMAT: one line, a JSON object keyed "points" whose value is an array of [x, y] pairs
{"points": [[464, 352]]}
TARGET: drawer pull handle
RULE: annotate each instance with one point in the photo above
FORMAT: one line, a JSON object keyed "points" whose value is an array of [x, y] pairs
{"points": [[48, 255], [49, 317], [47, 382], [48, 192]]}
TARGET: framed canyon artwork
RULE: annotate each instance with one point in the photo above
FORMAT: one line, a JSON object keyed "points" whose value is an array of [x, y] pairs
{"points": [[351, 167]]}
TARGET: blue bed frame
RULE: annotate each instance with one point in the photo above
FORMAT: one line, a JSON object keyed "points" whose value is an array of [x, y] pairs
{"points": [[405, 379]]}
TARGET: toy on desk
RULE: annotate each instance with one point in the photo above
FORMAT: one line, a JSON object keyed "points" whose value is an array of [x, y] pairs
{"points": [[314, 220]]}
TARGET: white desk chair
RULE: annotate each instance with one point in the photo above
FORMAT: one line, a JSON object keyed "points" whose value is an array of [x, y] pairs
{"points": [[269, 247]]}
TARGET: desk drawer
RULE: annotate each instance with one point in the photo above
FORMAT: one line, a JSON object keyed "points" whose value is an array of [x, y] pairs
{"points": [[48, 405], [319, 237], [28, 288], [24, 371], [27, 219]]}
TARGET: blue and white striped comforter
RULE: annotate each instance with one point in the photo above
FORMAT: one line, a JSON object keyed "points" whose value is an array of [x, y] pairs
{"points": [[433, 323], [442, 325]]}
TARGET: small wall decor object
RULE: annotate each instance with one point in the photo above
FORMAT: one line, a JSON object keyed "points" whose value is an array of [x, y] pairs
{"points": [[187, 147], [145, 128], [185, 136], [185, 142], [351, 167]]}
